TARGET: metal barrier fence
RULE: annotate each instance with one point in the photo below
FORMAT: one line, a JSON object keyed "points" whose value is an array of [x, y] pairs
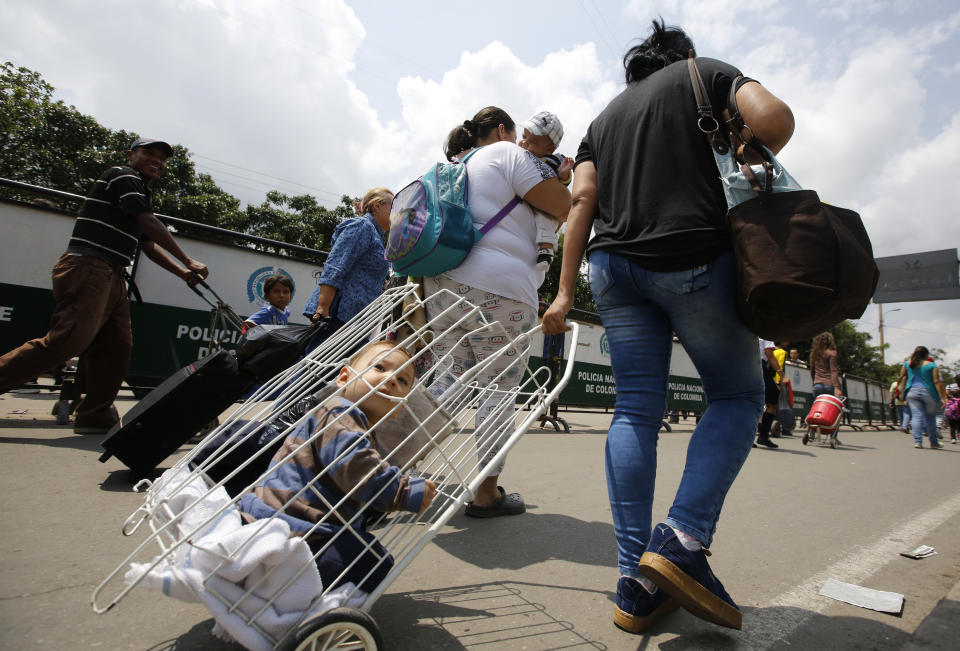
{"points": [[592, 384]]}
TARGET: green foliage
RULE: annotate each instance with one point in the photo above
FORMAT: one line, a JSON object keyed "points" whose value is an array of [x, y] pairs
{"points": [[296, 220], [948, 372], [51, 144], [47, 142], [856, 354], [182, 192], [583, 299]]}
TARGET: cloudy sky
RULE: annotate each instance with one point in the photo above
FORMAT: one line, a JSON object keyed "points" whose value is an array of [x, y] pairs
{"points": [[329, 97]]}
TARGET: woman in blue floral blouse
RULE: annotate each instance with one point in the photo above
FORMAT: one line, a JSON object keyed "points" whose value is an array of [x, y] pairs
{"points": [[355, 271]]}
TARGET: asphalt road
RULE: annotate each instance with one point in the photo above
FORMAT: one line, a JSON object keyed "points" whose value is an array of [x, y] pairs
{"points": [[796, 517]]}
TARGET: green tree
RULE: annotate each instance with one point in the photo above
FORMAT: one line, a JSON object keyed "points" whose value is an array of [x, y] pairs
{"points": [[48, 143], [948, 372], [583, 299], [296, 220], [182, 192]]}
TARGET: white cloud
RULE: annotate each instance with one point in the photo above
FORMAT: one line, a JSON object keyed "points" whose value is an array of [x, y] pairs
{"points": [[916, 199], [571, 83], [714, 25], [273, 87], [857, 8], [236, 81]]}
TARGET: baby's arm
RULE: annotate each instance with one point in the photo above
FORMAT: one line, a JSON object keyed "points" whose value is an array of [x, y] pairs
{"points": [[359, 471], [564, 172]]}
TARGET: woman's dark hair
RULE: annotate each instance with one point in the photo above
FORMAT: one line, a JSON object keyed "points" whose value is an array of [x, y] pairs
{"points": [[467, 135], [664, 46], [278, 279], [919, 356]]}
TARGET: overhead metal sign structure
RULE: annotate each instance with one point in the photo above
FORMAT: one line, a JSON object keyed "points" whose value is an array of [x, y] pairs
{"points": [[929, 276]]}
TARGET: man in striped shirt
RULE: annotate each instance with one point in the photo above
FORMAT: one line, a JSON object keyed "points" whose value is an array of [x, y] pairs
{"points": [[92, 311]]}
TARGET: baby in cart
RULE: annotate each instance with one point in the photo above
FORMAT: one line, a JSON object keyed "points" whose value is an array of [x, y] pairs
{"points": [[342, 470]]}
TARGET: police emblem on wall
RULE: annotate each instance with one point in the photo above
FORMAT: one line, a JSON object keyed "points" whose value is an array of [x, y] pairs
{"points": [[256, 280], [604, 345]]}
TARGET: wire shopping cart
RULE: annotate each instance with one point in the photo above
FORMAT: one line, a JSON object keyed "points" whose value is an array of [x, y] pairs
{"points": [[261, 583]]}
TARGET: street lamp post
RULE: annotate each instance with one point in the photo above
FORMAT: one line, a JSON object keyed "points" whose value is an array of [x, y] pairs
{"points": [[880, 313]]}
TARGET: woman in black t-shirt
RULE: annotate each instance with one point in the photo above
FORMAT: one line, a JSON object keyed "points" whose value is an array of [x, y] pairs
{"points": [[660, 263]]}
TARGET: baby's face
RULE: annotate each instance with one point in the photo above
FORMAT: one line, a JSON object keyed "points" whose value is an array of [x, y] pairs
{"points": [[279, 296], [398, 381], [536, 145]]}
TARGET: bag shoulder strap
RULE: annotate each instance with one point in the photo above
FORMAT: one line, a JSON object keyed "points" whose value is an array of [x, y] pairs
{"points": [[706, 122], [496, 219], [736, 123]]}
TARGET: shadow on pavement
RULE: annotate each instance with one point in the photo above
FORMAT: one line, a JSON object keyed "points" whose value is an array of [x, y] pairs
{"points": [[546, 537], [764, 628], [198, 638], [75, 441], [802, 453], [119, 481], [33, 423], [491, 615]]}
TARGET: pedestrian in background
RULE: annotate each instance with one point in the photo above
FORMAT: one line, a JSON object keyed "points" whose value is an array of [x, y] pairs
{"points": [[772, 357], [355, 271], [951, 411], [277, 290], [923, 389], [824, 367], [896, 405], [91, 315]]}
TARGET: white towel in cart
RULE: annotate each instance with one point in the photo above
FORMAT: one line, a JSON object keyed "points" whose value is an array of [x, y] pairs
{"points": [[227, 559]]}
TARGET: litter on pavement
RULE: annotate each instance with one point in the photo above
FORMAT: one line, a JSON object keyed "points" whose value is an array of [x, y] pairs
{"points": [[885, 602], [920, 552]]}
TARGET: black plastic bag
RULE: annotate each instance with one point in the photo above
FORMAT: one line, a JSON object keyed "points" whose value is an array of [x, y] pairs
{"points": [[265, 352]]}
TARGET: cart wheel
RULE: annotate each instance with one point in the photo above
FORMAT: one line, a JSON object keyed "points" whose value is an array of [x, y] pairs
{"points": [[806, 437], [62, 411], [340, 628], [833, 443]]}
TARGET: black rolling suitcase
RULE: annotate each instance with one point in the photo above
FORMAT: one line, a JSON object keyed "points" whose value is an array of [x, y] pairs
{"points": [[176, 410]]}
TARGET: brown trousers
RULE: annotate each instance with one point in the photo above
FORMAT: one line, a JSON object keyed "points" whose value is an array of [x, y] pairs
{"points": [[92, 315]]}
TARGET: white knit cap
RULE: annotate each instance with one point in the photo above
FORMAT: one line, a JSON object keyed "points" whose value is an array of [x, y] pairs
{"points": [[547, 124]]}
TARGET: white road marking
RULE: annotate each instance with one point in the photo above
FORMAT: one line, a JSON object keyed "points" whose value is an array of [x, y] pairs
{"points": [[763, 627]]}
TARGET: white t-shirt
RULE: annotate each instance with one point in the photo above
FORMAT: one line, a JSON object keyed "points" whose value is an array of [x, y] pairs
{"points": [[764, 344], [504, 261]]}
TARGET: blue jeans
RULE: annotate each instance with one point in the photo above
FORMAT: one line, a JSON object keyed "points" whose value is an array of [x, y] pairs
{"points": [[822, 389], [641, 310], [906, 418], [924, 409]]}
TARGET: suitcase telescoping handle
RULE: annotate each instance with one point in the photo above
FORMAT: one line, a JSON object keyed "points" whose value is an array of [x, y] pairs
{"points": [[220, 305]]}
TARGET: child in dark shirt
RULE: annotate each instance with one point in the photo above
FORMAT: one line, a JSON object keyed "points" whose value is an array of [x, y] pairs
{"points": [[343, 461], [277, 290]]}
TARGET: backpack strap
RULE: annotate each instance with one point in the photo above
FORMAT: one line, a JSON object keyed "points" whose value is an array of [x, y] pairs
{"points": [[496, 219], [500, 215]]}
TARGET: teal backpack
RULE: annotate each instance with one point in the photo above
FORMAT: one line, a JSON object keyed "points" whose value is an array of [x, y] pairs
{"points": [[431, 230]]}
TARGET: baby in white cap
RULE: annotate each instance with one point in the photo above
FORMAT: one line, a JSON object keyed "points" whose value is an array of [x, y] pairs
{"points": [[541, 135]]}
